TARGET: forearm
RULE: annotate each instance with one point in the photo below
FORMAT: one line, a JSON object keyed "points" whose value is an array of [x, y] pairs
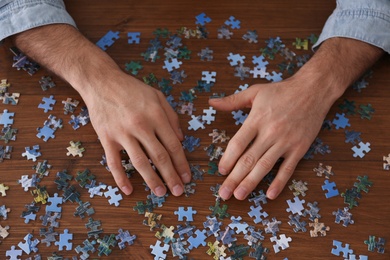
{"points": [[65, 51], [337, 64]]}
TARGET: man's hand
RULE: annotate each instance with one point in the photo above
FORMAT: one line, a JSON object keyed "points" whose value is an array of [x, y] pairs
{"points": [[286, 117], [126, 113]]}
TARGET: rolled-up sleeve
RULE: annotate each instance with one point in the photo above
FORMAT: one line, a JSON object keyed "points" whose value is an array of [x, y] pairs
{"points": [[367, 21], [20, 15]]}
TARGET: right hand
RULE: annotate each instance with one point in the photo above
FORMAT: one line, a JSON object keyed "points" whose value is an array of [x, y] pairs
{"points": [[128, 114]]}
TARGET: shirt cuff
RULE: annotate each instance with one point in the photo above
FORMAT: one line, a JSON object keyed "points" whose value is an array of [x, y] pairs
{"points": [[369, 24], [21, 15]]}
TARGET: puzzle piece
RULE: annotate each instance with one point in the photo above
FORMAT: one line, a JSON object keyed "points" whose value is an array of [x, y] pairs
{"points": [[9, 134], [55, 202], [45, 132], [272, 226], [233, 23], [50, 235], [235, 59], [46, 82], [190, 142], [64, 241], [3, 189], [48, 103], [209, 76], [318, 227], [259, 73], [125, 237], [299, 225], [363, 184], [70, 105], [373, 244], [220, 212], [241, 71], [341, 249], [200, 238], [172, 64], [206, 54], [32, 153], [4, 212], [156, 200], [177, 76], [185, 213], [142, 208], [261, 197], [366, 111], [386, 164], [93, 225], [327, 170], [195, 123], [6, 118], [40, 194], [94, 189], [209, 117], [202, 19], [167, 233], [51, 217], [281, 242], [238, 226], [299, 187], [296, 206], [88, 247], [158, 250], [12, 99], [84, 208], [83, 177], [5, 152], [4, 231], [352, 137], [13, 254], [313, 211], [330, 187], [75, 149], [133, 37], [105, 243], [362, 150], [341, 121], [251, 36], [257, 214], [343, 215], [114, 196], [107, 40], [239, 116]]}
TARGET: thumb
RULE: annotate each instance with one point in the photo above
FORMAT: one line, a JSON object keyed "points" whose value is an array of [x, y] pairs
{"points": [[240, 100]]}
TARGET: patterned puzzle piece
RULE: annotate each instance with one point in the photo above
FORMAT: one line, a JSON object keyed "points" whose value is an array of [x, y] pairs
{"points": [[281, 242], [75, 149]]}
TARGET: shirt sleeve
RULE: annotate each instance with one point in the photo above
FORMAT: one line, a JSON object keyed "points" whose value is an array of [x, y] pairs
{"points": [[20, 15], [364, 20]]}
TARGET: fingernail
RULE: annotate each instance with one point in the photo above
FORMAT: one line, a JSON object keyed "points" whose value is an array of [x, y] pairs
{"points": [[177, 190], [225, 193], [222, 171], [186, 177], [159, 191], [271, 194], [240, 193], [126, 190]]}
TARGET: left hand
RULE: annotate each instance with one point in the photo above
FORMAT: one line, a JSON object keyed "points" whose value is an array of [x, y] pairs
{"points": [[284, 120]]}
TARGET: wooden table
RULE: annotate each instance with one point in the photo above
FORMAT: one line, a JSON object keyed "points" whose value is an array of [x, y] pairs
{"points": [[270, 18]]}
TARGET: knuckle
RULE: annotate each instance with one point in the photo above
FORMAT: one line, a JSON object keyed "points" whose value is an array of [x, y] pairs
{"points": [[289, 168], [139, 161], [266, 163], [161, 157], [248, 161], [175, 148], [235, 144]]}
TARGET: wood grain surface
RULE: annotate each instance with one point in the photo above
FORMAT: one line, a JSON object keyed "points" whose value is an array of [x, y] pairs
{"points": [[287, 19]]}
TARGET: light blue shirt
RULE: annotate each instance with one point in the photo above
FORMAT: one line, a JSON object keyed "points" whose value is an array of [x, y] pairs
{"points": [[364, 20]]}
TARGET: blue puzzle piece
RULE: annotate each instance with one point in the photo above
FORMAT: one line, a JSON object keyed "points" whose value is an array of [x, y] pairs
{"points": [[340, 249], [134, 37], [233, 23], [185, 213], [202, 19], [257, 214], [45, 132], [29, 245], [29, 217], [331, 189], [5, 118], [64, 241], [361, 150], [55, 201], [47, 104], [341, 121], [107, 40]]}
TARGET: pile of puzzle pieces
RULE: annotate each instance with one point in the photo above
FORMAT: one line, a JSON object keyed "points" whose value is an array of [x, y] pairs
{"points": [[184, 237]]}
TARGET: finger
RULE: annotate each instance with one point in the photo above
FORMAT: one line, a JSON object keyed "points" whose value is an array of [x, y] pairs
{"points": [[114, 163], [237, 146], [162, 160], [141, 163], [285, 171], [172, 116], [263, 166], [175, 151], [256, 156], [233, 102]]}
